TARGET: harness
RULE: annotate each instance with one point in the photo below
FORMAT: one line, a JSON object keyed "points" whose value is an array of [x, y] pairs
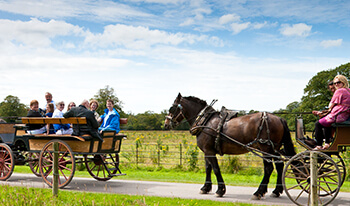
{"points": [[226, 115]]}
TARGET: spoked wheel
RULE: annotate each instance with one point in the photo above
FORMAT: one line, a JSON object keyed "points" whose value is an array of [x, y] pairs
{"points": [[100, 166], [297, 180], [33, 162], [66, 163], [341, 166], [7, 162]]}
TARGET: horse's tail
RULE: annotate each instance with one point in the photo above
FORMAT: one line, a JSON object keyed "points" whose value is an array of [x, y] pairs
{"points": [[288, 146]]}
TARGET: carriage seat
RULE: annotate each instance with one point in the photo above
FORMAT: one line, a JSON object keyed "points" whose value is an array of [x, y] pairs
{"points": [[342, 124]]}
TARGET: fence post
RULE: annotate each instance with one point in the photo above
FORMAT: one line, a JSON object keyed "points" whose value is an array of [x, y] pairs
{"points": [[158, 153], [55, 170], [180, 154], [137, 154], [313, 179]]}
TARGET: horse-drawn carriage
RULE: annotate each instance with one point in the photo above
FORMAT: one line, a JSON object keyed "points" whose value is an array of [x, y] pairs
{"points": [[329, 166], [18, 148], [267, 136]]}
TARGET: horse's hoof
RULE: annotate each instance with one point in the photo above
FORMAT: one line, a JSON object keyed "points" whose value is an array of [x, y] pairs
{"points": [[254, 197], [220, 193], [203, 192], [275, 195]]}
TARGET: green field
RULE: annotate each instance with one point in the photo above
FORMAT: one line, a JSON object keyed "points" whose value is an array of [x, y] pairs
{"points": [[159, 159]]}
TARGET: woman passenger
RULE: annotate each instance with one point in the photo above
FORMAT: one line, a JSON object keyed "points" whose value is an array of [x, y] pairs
{"points": [[339, 112], [61, 129], [110, 119], [49, 112], [34, 112], [93, 108], [70, 105]]}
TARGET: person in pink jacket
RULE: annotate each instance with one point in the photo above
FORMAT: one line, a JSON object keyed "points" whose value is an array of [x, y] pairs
{"points": [[338, 112]]}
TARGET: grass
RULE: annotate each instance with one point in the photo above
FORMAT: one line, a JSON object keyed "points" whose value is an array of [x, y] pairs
{"points": [[197, 177], [10, 196]]}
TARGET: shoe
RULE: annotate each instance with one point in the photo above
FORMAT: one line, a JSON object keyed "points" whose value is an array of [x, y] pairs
{"points": [[317, 148], [311, 142], [326, 146]]}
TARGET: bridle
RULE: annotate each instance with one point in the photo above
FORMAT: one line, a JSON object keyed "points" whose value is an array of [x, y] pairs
{"points": [[173, 109]]}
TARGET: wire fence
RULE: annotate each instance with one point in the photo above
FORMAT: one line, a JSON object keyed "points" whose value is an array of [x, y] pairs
{"points": [[187, 156]]}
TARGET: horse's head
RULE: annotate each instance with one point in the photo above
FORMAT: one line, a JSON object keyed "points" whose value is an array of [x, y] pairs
{"points": [[183, 108], [175, 115]]}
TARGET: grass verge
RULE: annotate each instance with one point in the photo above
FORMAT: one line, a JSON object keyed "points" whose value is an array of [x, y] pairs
{"points": [[10, 196]]}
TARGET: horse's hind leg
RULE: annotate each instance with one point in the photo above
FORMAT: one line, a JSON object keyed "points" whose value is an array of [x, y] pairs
{"points": [[268, 168], [279, 187], [208, 184], [213, 161]]}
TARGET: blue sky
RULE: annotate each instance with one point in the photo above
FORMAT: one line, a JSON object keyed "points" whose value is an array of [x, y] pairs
{"points": [[248, 54]]}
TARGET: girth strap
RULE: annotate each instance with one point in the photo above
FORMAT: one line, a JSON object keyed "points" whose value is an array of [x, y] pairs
{"points": [[258, 139]]}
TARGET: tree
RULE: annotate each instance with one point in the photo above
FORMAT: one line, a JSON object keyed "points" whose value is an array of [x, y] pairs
{"points": [[103, 95], [316, 94], [11, 107]]}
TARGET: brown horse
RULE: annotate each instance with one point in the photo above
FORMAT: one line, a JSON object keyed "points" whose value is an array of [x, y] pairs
{"points": [[261, 132]]}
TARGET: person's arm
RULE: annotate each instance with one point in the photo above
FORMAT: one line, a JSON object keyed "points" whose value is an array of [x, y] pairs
{"points": [[68, 114]]}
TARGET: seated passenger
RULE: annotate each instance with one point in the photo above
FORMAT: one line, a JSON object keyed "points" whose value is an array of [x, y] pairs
{"points": [[339, 112], [91, 127], [110, 119], [49, 112], [61, 129], [34, 112], [93, 108], [70, 105]]}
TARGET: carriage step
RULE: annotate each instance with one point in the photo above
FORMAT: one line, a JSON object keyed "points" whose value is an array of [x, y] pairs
{"points": [[114, 175]]}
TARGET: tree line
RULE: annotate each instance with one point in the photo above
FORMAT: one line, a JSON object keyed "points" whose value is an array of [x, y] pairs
{"points": [[316, 97]]}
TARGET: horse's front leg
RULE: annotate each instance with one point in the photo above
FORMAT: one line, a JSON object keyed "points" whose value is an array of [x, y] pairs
{"points": [[221, 184], [268, 168], [208, 184]]}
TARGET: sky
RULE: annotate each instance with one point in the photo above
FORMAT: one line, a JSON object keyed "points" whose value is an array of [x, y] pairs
{"points": [[247, 54]]}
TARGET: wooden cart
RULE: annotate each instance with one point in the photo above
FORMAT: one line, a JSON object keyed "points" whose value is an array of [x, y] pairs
{"points": [[330, 170], [101, 159]]}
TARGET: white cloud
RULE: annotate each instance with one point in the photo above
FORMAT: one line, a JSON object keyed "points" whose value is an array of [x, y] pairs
{"points": [[95, 10], [36, 33], [238, 27], [331, 43], [187, 22], [139, 37], [300, 29], [228, 18]]}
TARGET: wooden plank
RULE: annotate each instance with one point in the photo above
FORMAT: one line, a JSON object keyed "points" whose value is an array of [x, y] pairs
{"points": [[55, 136], [107, 144], [76, 146], [341, 138], [43, 120], [7, 128]]}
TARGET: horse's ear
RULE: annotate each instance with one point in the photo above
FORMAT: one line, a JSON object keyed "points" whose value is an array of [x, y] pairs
{"points": [[179, 96]]}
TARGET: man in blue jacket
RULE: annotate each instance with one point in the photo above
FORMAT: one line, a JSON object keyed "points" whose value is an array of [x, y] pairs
{"points": [[110, 119]]}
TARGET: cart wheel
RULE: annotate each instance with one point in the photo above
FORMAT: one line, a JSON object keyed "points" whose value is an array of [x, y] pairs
{"points": [[7, 162], [341, 166], [33, 162], [296, 178], [66, 163], [98, 165]]}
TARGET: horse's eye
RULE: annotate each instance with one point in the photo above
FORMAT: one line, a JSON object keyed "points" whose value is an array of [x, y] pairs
{"points": [[172, 109]]}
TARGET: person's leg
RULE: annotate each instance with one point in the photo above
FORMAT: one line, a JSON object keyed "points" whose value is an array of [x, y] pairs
{"points": [[319, 136]]}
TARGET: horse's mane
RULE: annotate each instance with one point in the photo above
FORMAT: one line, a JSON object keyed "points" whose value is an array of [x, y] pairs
{"points": [[195, 99]]}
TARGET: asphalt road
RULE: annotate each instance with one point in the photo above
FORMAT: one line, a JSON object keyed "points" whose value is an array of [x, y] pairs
{"points": [[162, 189]]}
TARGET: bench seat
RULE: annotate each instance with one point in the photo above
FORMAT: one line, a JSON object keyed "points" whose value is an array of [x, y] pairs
{"points": [[342, 124]]}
